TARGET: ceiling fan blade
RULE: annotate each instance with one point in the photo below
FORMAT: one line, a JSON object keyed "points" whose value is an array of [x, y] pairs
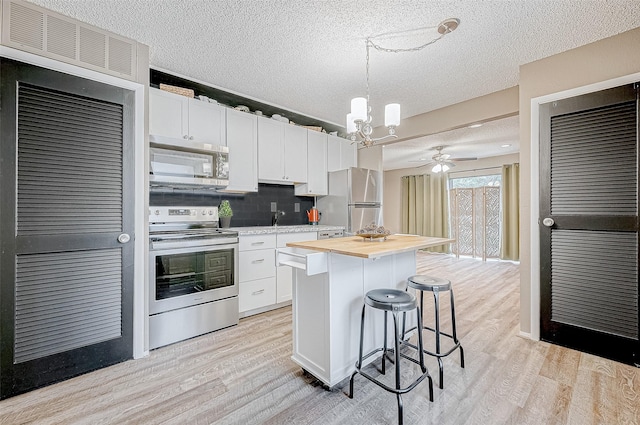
{"points": [[463, 159]]}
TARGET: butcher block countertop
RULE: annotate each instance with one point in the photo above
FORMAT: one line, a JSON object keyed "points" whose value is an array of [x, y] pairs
{"points": [[364, 248]]}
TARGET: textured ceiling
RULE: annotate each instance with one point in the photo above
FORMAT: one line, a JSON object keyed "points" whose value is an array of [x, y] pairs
{"points": [[309, 56]]}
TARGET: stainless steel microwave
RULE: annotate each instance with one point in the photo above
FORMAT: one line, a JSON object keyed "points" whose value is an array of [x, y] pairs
{"points": [[178, 163]]}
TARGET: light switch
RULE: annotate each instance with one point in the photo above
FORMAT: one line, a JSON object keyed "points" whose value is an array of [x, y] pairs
{"points": [[274, 207], [296, 207]]}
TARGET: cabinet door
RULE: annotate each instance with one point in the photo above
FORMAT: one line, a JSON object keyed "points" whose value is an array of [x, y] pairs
{"points": [[271, 150], [168, 114], [348, 154], [317, 183], [295, 154], [341, 154], [333, 153], [206, 122], [242, 140]]}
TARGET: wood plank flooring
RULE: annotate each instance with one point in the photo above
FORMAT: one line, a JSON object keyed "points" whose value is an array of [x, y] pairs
{"points": [[244, 375]]}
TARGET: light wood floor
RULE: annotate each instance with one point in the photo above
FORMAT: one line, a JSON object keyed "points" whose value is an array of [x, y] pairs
{"points": [[244, 375]]}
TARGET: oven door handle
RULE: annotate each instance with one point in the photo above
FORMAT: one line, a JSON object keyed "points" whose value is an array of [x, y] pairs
{"points": [[177, 275]]}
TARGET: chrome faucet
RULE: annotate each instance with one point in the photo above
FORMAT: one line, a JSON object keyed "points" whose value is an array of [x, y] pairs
{"points": [[276, 215]]}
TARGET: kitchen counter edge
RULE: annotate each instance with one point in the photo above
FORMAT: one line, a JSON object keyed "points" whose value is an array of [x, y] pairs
{"points": [[265, 230]]}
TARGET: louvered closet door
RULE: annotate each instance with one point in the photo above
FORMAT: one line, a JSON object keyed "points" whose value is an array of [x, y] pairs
{"points": [[66, 280], [589, 251]]}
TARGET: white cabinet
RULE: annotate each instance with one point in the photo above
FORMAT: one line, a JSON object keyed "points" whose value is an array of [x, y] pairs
{"points": [[257, 270], [295, 153], [341, 153], [242, 141], [175, 116], [317, 182], [284, 274], [282, 152]]}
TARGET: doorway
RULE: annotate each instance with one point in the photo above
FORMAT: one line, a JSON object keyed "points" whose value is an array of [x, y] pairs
{"points": [[475, 214], [66, 228], [589, 223]]}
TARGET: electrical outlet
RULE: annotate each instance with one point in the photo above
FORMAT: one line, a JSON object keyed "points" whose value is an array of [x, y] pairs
{"points": [[296, 207], [274, 207]]}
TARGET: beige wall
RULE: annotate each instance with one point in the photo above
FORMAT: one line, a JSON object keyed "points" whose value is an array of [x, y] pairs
{"points": [[589, 65], [501, 104], [392, 207]]}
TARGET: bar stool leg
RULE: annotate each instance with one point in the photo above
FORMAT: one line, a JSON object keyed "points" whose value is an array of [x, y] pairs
{"points": [[454, 334], [359, 364], [396, 329], [436, 298], [421, 351], [384, 351]]}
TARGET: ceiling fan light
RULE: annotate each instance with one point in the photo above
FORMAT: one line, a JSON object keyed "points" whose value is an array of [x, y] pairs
{"points": [[445, 168], [359, 108], [392, 115], [436, 168], [351, 125]]}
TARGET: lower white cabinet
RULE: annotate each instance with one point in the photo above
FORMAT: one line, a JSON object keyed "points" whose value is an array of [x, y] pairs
{"points": [[263, 286], [284, 274], [257, 270], [256, 294]]}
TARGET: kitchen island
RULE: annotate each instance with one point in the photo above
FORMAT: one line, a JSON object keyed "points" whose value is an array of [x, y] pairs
{"points": [[330, 280]]}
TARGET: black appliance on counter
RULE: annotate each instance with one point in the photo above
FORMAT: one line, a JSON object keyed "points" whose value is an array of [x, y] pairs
{"points": [[193, 274]]}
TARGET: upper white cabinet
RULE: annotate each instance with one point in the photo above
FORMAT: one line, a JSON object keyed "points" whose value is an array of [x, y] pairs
{"points": [[172, 115], [341, 154], [295, 153], [242, 141], [282, 152], [317, 181]]}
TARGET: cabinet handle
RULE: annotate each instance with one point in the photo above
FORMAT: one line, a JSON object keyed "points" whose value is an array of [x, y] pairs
{"points": [[258, 261], [190, 137], [257, 292], [185, 137], [257, 243]]}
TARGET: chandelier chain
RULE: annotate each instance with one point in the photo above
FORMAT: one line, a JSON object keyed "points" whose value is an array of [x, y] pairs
{"points": [[410, 49]]}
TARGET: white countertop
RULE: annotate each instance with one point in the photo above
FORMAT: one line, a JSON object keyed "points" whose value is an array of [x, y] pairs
{"points": [[263, 230]]}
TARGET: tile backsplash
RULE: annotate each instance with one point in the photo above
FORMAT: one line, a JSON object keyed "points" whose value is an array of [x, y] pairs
{"points": [[249, 209]]}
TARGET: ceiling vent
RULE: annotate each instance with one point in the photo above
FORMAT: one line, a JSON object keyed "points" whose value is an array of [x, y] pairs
{"points": [[37, 30]]}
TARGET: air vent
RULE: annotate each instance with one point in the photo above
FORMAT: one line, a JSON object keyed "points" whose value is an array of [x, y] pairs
{"points": [[93, 47], [34, 29], [27, 25], [61, 37], [120, 56]]}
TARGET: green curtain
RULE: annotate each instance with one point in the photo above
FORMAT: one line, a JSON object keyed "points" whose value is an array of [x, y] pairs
{"points": [[425, 207], [510, 243]]}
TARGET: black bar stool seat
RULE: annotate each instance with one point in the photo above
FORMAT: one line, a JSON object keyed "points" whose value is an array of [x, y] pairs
{"points": [[436, 285], [392, 301]]}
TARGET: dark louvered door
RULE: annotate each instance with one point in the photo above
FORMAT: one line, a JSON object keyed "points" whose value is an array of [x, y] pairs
{"points": [[589, 223], [66, 283]]}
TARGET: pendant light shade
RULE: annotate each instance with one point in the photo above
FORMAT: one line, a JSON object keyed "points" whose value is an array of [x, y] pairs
{"points": [[351, 125], [392, 115], [359, 109]]}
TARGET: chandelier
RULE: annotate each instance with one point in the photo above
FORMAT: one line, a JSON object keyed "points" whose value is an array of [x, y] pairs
{"points": [[359, 119]]}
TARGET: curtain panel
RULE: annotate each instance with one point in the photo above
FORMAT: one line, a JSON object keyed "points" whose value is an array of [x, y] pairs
{"points": [[425, 207], [510, 243]]}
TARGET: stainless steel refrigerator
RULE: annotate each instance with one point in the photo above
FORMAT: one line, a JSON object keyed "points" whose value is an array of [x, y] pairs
{"points": [[354, 200]]}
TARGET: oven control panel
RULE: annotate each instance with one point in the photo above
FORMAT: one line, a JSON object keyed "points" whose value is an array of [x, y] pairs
{"points": [[182, 214]]}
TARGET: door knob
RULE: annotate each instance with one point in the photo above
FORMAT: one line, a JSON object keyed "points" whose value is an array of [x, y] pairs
{"points": [[124, 238], [548, 222]]}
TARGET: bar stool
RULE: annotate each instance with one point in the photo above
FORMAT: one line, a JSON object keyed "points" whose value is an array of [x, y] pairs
{"points": [[394, 301], [436, 285]]}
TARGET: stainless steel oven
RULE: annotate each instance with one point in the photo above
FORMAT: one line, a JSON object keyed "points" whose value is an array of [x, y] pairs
{"points": [[193, 274]]}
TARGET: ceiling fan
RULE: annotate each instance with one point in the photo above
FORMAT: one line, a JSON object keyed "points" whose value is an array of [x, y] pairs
{"points": [[442, 162]]}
